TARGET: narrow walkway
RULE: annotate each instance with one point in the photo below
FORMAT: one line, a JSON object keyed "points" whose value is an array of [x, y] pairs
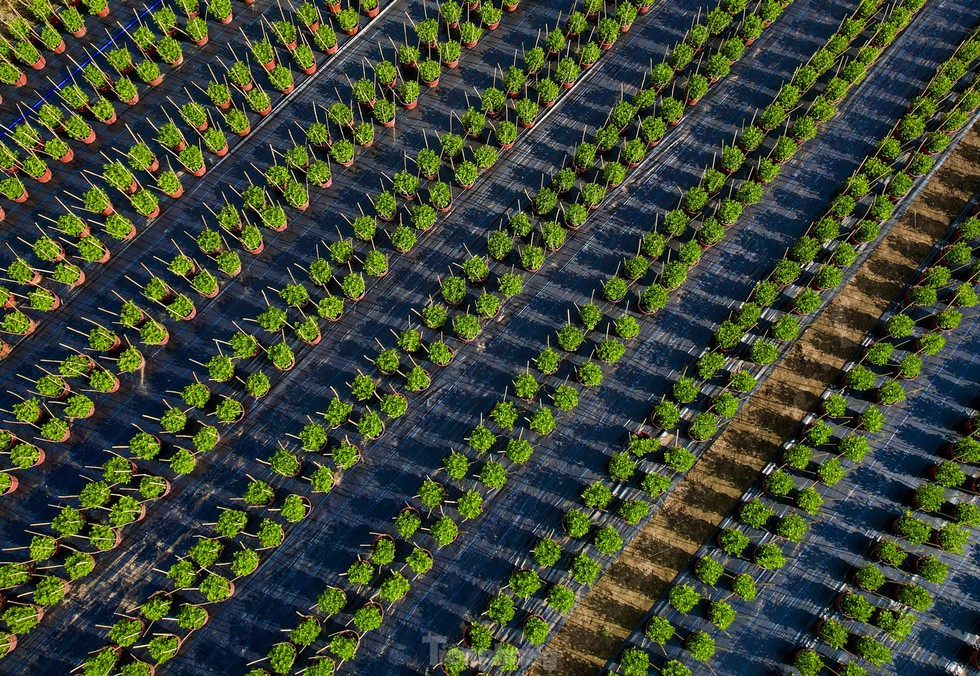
{"points": [[618, 602]]}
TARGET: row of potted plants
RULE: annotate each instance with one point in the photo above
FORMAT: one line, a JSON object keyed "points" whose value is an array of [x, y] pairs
{"points": [[63, 402], [914, 570], [144, 201], [540, 421], [948, 536], [117, 175], [710, 362], [780, 508], [320, 274], [799, 458], [270, 215], [104, 507], [553, 234], [476, 271], [124, 308], [129, 311], [176, 188], [75, 234], [596, 492], [314, 435], [794, 272], [83, 527], [26, 36], [818, 260], [116, 72], [205, 574], [115, 498]]}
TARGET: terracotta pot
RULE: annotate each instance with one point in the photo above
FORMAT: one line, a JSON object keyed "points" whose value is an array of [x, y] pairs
{"points": [[288, 368], [67, 157], [14, 482]]}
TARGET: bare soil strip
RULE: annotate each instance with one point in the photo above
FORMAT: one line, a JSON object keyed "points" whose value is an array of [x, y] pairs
{"points": [[689, 515]]}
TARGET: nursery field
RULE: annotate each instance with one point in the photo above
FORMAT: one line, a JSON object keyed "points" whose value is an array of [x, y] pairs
{"points": [[494, 337]]}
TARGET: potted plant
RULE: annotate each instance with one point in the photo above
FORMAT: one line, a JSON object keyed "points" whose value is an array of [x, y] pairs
{"points": [[281, 79], [197, 30], [347, 20], [193, 160], [408, 93], [450, 12], [429, 71], [466, 175], [170, 51], [449, 53], [13, 189], [405, 185], [469, 34], [490, 16]]}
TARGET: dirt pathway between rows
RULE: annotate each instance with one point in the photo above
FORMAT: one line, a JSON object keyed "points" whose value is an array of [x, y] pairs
{"points": [[689, 515]]}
